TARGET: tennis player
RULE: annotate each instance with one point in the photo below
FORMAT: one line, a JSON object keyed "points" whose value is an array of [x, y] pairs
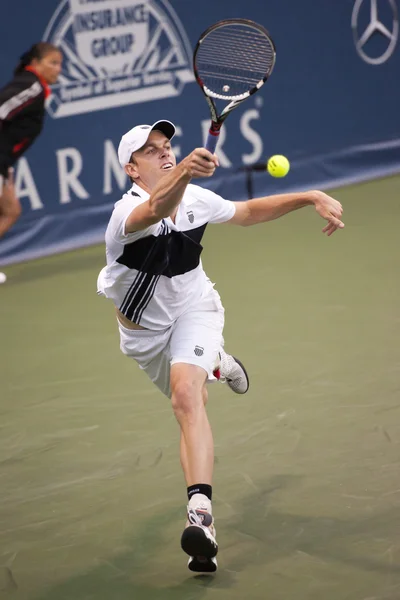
{"points": [[22, 110], [170, 316]]}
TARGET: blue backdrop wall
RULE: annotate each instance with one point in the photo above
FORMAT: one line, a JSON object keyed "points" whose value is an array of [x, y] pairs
{"points": [[331, 105]]}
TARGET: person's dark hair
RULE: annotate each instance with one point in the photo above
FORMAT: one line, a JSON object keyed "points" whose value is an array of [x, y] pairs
{"points": [[37, 51]]}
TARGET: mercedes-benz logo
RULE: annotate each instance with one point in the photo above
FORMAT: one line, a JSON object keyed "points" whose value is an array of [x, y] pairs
{"points": [[375, 26]]}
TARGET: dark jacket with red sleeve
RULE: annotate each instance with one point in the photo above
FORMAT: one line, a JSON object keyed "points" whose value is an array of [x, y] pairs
{"points": [[22, 112]]}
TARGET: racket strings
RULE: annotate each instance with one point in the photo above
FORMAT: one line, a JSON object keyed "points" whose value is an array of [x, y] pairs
{"points": [[232, 59], [226, 77], [251, 56], [221, 65], [237, 43], [224, 62]]}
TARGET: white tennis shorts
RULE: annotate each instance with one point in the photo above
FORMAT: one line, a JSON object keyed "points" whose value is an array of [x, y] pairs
{"points": [[195, 338]]}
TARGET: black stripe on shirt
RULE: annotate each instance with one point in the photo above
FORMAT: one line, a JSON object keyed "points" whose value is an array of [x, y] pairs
{"points": [[131, 293], [172, 254], [129, 296], [137, 315], [139, 297]]}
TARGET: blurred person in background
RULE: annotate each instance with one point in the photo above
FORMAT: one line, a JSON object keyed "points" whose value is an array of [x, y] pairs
{"points": [[22, 112]]}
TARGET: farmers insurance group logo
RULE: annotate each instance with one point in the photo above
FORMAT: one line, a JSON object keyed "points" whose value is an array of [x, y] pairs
{"points": [[117, 52]]}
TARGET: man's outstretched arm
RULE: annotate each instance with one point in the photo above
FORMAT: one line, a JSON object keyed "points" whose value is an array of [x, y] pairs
{"points": [[169, 191], [268, 208]]}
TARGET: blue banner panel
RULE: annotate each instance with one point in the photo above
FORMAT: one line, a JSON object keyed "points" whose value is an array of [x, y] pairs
{"points": [[331, 105]]}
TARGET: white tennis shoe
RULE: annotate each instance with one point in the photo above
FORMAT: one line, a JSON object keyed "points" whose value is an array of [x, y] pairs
{"points": [[232, 372], [198, 539]]}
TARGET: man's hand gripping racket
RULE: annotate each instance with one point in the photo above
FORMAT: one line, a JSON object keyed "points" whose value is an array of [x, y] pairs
{"points": [[232, 60]]}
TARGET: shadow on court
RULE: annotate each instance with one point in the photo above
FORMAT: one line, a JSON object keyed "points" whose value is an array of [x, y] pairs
{"points": [[126, 576], [326, 539], [255, 537]]}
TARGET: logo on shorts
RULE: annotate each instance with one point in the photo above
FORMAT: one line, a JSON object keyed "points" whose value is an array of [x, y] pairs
{"points": [[117, 52], [190, 216], [198, 350]]}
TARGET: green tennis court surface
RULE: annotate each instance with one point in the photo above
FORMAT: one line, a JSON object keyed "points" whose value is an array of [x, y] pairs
{"points": [[307, 484]]}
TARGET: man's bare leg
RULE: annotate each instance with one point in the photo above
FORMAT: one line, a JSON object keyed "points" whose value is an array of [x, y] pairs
{"points": [[188, 402], [189, 397]]}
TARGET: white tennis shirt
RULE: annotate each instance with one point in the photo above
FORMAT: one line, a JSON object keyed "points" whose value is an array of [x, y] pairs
{"points": [[155, 274]]}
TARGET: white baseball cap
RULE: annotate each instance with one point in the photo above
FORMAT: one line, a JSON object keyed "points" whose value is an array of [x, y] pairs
{"points": [[135, 138]]}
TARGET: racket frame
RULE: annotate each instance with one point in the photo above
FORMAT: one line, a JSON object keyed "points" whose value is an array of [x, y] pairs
{"points": [[217, 119]]}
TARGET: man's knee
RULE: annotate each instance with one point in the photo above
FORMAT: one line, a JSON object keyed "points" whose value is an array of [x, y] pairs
{"points": [[187, 389], [185, 397]]}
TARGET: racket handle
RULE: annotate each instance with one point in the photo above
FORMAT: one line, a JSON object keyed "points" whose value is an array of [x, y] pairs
{"points": [[212, 141]]}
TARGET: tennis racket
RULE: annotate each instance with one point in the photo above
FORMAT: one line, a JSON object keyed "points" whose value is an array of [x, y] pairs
{"points": [[232, 60]]}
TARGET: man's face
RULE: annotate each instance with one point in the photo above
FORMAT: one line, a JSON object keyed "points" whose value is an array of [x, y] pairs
{"points": [[152, 162]]}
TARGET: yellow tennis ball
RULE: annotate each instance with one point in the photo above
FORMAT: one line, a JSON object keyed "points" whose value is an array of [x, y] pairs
{"points": [[278, 165]]}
